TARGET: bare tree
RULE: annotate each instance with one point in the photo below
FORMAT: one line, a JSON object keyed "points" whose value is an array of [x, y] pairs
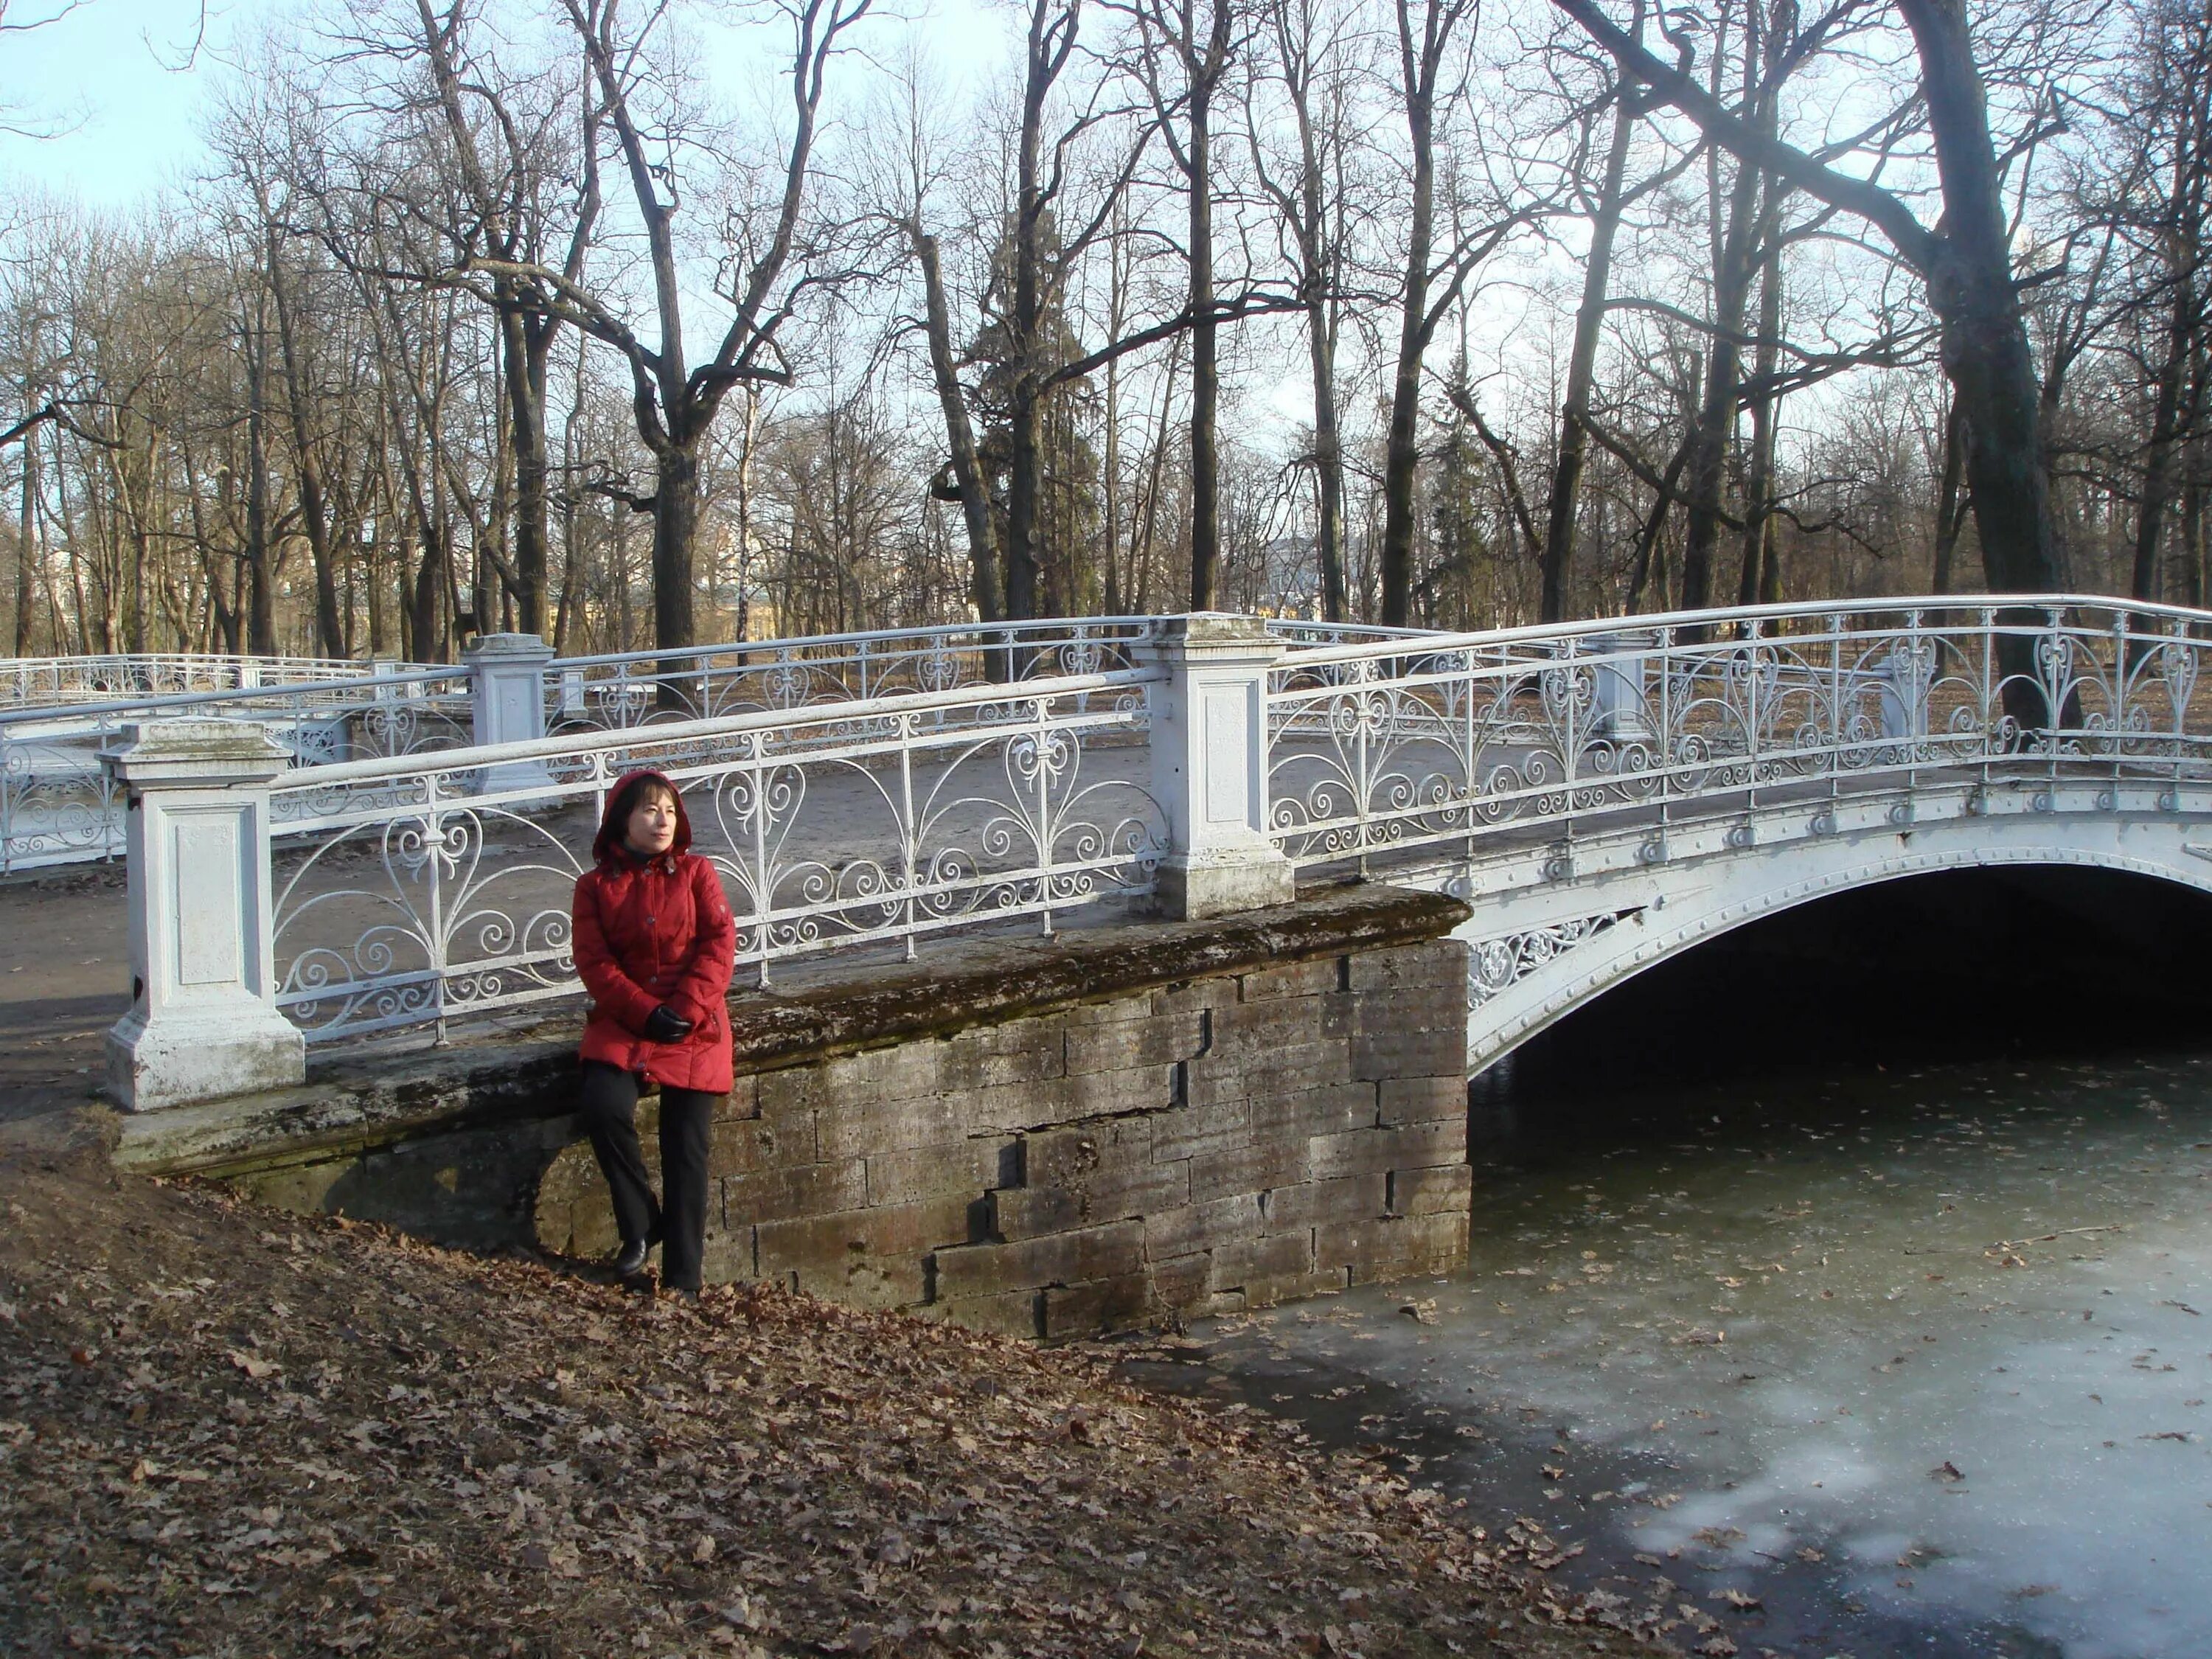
{"points": [[1308, 57], [775, 258], [526, 151], [1183, 52], [903, 195], [1966, 263], [1435, 47]]}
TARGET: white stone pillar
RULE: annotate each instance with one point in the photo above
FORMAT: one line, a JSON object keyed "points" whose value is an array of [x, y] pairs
{"points": [[1210, 767], [1619, 685], [203, 1020], [506, 689]]}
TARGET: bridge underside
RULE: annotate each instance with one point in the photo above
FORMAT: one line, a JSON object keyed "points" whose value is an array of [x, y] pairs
{"points": [[1557, 925]]}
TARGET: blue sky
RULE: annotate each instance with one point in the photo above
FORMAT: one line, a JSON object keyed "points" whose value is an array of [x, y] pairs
{"points": [[127, 121], [106, 80]]}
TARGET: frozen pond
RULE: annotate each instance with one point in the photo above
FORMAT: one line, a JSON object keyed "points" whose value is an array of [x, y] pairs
{"points": [[1915, 1361]]}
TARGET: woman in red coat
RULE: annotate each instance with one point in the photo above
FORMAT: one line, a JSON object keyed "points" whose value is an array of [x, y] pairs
{"points": [[654, 941]]}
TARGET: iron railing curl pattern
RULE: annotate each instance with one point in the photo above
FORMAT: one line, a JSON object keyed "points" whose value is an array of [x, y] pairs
{"points": [[635, 688], [1401, 743], [29, 681], [58, 806], [410, 893]]}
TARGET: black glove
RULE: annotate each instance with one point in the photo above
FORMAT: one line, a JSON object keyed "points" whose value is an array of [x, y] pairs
{"points": [[664, 1025]]}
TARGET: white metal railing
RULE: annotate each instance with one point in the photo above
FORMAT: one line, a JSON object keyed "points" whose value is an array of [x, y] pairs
{"points": [[1392, 746], [1202, 761], [58, 806], [29, 681], [631, 688], [417, 891]]}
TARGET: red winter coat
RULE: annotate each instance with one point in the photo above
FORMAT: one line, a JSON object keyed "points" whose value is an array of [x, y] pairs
{"points": [[650, 931]]}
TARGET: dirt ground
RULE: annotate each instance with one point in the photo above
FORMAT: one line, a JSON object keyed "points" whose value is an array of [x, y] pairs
{"points": [[232, 1431]]}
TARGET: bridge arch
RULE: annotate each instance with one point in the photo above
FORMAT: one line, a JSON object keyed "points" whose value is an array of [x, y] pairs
{"points": [[1525, 981]]}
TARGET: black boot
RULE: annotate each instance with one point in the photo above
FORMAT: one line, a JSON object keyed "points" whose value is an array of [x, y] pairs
{"points": [[629, 1261]]}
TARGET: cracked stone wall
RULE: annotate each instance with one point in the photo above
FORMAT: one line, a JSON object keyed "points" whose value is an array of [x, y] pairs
{"points": [[1201, 1148]]}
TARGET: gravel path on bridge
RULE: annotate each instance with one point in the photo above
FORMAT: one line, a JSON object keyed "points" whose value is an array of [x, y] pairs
{"points": [[225, 1430]]}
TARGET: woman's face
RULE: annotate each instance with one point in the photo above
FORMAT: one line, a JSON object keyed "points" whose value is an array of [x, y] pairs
{"points": [[651, 829]]}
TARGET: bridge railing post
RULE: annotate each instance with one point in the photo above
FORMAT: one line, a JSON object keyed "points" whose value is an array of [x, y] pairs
{"points": [[1210, 767], [1906, 672], [1621, 676], [203, 1020], [507, 696]]}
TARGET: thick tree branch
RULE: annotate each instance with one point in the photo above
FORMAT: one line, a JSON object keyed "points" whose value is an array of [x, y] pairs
{"points": [[1913, 241]]}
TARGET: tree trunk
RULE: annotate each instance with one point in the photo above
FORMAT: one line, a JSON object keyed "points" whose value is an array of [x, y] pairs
{"points": [[675, 539], [1019, 587], [1984, 341], [1205, 372], [1733, 262], [1402, 453], [1023, 422], [1110, 484], [2166, 435], [2193, 541], [1759, 480], [330, 629], [26, 542], [427, 641], [959, 431], [261, 599], [1647, 539], [1948, 519], [1559, 557], [1328, 464], [526, 342]]}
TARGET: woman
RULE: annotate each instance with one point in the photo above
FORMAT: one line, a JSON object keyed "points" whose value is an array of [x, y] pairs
{"points": [[654, 941]]}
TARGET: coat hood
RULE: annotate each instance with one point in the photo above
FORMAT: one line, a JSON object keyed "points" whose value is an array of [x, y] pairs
{"points": [[608, 844]]}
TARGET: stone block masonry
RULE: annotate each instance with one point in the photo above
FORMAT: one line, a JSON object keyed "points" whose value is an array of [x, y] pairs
{"points": [[1040, 1137], [1271, 1130]]}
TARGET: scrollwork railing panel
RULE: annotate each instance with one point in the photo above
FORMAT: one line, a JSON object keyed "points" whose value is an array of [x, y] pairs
{"points": [[1392, 744], [415, 894], [614, 693]]}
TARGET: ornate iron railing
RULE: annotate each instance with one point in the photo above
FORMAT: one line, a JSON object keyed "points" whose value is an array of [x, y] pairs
{"points": [[33, 682], [415, 889], [410, 893], [1394, 747], [633, 688], [706, 681], [58, 805]]}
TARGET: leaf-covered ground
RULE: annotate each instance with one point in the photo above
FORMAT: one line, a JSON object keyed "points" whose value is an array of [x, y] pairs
{"points": [[229, 1430]]}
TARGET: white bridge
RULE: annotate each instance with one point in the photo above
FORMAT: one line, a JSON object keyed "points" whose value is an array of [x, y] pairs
{"points": [[1604, 795]]}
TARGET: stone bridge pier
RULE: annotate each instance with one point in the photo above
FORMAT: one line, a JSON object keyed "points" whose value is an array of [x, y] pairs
{"points": [[1138, 1121]]}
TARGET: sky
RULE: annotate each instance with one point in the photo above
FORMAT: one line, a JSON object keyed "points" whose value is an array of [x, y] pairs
{"points": [[118, 93], [115, 91], [115, 84]]}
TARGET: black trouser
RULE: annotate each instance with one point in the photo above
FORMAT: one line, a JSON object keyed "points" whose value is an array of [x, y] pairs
{"points": [[610, 1113]]}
